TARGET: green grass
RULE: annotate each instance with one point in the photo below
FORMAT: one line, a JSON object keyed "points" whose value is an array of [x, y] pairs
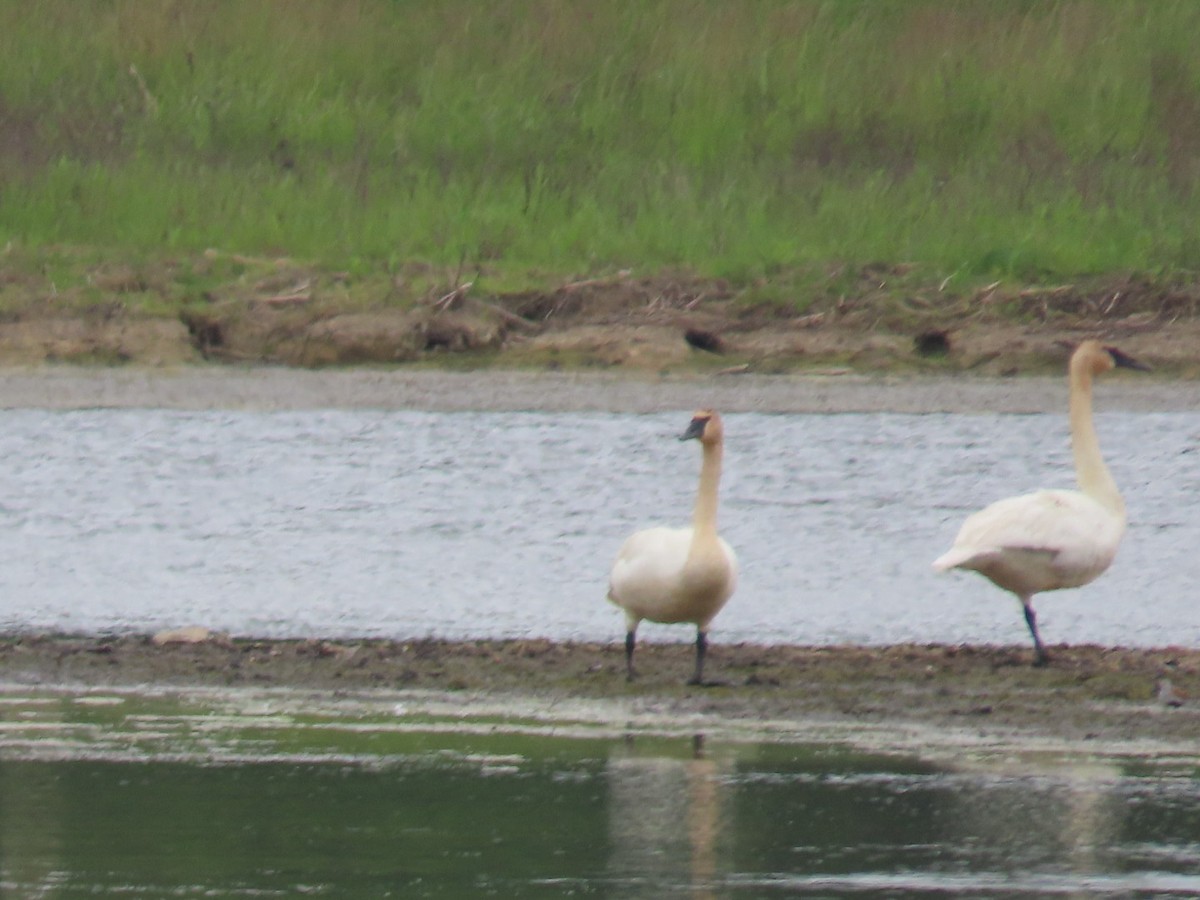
{"points": [[1035, 140]]}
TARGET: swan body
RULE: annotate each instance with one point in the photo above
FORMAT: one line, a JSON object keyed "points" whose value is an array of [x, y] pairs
{"points": [[1052, 539], [652, 578], [1038, 542], [679, 575]]}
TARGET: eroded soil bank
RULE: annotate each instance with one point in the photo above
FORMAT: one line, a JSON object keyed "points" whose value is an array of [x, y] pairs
{"points": [[232, 309], [1091, 698]]}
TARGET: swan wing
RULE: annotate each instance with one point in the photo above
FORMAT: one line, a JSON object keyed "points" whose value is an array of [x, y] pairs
{"points": [[649, 568], [1040, 541]]}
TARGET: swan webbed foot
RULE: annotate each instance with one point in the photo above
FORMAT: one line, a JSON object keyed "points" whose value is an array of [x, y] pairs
{"points": [[630, 641]]}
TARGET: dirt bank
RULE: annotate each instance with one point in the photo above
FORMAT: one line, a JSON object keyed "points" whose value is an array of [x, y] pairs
{"points": [[1088, 696], [231, 309]]}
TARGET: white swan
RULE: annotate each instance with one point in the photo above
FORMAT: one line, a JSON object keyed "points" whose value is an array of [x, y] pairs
{"points": [[1052, 539], [679, 574]]}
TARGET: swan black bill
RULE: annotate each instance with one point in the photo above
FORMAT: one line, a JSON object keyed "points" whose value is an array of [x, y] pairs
{"points": [[695, 428], [1125, 361]]}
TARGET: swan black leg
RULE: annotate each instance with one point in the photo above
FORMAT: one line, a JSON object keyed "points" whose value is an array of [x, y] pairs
{"points": [[1039, 652], [701, 650], [629, 643]]}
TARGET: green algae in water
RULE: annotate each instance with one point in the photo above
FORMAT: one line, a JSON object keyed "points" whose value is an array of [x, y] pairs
{"points": [[226, 794]]}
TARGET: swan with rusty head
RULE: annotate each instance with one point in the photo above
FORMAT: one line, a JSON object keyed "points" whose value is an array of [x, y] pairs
{"points": [[679, 575], [1052, 539]]}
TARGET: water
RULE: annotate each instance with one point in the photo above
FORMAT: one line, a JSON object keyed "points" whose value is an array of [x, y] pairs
{"points": [[409, 524], [282, 795]]}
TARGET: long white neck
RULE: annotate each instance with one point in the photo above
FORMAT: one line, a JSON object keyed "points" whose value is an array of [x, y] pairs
{"points": [[1092, 475], [704, 516]]}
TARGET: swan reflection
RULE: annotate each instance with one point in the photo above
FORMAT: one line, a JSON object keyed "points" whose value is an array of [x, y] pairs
{"points": [[665, 822]]}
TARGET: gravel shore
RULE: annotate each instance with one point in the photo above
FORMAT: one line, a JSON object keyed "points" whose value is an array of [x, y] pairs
{"points": [[272, 388]]}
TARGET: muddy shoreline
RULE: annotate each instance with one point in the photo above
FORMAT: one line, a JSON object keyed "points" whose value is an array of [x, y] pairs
{"points": [[1089, 699]]}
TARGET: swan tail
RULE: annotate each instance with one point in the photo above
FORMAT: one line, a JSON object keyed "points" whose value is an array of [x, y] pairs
{"points": [[958, 557]]}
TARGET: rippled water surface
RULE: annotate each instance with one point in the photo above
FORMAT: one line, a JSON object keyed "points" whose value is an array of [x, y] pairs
{"points": [[285, 796], [504, 524]]}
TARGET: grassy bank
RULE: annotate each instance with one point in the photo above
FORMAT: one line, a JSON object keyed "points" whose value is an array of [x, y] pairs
{"points": [[1036, 140]]}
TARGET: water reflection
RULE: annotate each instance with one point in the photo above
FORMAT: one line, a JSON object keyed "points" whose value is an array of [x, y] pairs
{"points": [[664, 822], [1027, 828], [1065, 835], [31, 851], [652, 817]]}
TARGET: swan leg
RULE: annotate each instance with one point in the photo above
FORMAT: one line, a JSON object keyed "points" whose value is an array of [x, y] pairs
{"points": [[701, 650], [1039, 652], [629, 644]]}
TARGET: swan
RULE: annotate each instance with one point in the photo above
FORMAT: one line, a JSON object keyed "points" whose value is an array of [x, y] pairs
{"points": [[676, 575], [1052, 539]]}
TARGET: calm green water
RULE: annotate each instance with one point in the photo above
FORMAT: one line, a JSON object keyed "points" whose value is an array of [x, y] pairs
{"points": [[135, 796]]}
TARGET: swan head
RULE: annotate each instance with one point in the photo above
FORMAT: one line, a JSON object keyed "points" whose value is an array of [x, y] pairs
{"points": [[705, 426], [1125, 361], [1098, 359]]}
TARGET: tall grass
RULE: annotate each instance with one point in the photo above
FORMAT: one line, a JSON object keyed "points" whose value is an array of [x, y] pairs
{"points": [[1038, 139]]}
